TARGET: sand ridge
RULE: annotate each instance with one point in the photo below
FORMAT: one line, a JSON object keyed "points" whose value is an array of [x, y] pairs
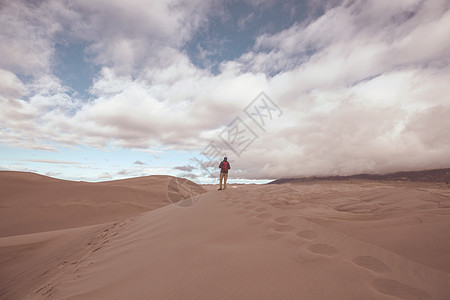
{"points": [[35, 203]]}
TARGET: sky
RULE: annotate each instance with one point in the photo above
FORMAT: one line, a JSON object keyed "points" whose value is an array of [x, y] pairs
{"points": [[110, 89]]}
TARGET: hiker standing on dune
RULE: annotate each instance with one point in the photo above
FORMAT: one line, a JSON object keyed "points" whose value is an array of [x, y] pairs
{"points": [[224, 167]]}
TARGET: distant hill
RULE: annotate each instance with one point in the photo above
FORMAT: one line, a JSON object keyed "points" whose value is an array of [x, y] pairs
{"points": [[438, 175], [32, 203]]}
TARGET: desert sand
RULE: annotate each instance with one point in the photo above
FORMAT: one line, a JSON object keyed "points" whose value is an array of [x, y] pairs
{"points": [[351, 239]]}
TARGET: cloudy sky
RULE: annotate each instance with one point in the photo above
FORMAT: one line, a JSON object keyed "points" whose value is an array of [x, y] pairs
{"points": [[108, 89]]}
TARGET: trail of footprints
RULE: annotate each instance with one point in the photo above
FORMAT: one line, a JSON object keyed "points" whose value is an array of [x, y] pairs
{"points": [[311, 251], [96, 243]]}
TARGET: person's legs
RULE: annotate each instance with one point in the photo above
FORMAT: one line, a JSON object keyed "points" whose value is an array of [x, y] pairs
{"points": [[221, 178], [225, 177]]}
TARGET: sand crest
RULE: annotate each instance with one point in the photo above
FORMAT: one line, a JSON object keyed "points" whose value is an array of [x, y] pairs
{"points": [[35, 203]]}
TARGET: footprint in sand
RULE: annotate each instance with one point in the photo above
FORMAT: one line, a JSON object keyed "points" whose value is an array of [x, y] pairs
{"points": [[371, 263], [272, 235], [261, 209], [247, 202], [284, 228], [397, 289], [305, 257], [249, 207], [283, 219], [323, 249], [254, 221], [264, 216], [307, 234]]}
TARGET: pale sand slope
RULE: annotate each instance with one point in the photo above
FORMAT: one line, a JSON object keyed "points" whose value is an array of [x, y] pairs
{"points": [[254, 242], [27, 261], [411, 219], [34, 203]]}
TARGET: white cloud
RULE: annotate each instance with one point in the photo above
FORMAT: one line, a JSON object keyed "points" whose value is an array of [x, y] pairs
{"points": [[105, 176], [54, 161], [11, 87], [431, 127], [364, 87], [362, 39], [130, 36], [396, 121]]}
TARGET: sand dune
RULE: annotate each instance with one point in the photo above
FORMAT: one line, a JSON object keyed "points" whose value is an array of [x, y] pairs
{"points": [[316, 240], [35, 203], [28, 260]]}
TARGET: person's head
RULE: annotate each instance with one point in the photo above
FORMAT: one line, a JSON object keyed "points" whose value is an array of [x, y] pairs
{"points": [[225, 158]]}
